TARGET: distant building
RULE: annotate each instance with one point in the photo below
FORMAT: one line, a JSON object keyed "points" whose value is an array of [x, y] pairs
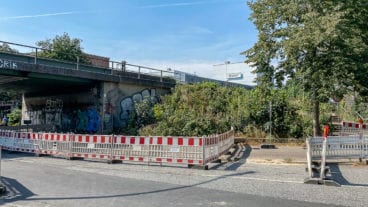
{"points": [[240, 73], [98, 61]]}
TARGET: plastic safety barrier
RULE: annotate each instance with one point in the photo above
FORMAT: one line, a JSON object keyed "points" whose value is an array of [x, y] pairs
{"points": [[217, 145], [54, 144], [7, 139], [158, 149], [91, 146], [339, 147], [24, 143]]}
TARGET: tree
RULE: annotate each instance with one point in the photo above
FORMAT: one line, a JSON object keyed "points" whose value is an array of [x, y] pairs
{"points": [[311, 39], [63, 48], [6, 48], [15, 117]]}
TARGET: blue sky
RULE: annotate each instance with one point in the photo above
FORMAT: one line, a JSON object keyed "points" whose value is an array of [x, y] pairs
{"points": [[187, 35]]}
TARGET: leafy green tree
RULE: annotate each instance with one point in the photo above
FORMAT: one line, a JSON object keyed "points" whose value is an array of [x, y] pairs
{"points": [[324, 42], [62, 47], [6, 48]]}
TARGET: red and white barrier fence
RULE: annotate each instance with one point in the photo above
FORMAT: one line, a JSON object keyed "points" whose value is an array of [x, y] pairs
{"points": [[350, 128], [217, 145], [158, 149]]}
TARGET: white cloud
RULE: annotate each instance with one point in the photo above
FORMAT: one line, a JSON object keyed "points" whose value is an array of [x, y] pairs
{"points": [[180, 4], [197, 30], [41, 15], [173, 4]]}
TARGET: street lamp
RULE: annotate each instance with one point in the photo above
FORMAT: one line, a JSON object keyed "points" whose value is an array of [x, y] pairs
{"points": [[269, 145], [226, 76]]}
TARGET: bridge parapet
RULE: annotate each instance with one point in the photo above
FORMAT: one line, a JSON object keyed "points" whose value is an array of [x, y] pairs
{"points": [[25, 54]]}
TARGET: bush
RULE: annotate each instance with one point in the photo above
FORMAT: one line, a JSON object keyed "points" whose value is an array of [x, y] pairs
{"points": [[15, 117]]}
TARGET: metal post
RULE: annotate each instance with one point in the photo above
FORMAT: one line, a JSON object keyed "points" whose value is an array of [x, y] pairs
{"points": [[323, 159], [77, 62], [161, 76], [361, 142], [103, 113], [35, 60], [139, 72], [111, 148], [226, 63], [204, 148], [270, 122], [123, 66], [309, 158]]}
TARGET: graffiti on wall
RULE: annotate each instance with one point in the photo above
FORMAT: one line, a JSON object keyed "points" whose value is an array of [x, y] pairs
{"points": [[127, 104], [70, 120], [88, 120], [53, 110]]}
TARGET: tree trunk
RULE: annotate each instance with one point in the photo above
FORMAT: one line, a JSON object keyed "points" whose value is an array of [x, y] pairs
{"points": [[316, 127]]}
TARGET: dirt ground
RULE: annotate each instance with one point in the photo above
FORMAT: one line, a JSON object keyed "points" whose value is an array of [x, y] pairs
{"points": [[282, 154]]}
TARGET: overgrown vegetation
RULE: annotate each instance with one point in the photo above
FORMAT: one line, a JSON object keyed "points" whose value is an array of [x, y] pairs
{"points": [[208, 108], [15, 117]]}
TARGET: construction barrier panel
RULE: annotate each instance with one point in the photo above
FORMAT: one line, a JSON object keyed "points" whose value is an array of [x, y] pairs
{"points": [[23, 142], [54, 144], [6, 139], [340, 147], [91, 146], [158, 149], [351, 128], [130, 148], [217, 145]]}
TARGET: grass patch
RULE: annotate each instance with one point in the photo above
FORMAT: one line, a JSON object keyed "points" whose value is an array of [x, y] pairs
{"points": [[288, 160]]}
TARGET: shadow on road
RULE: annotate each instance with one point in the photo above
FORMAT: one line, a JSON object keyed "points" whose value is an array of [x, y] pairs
{"points": [[337, 176], [232, 166], [5, 154], [15, 190], [19, 192]]}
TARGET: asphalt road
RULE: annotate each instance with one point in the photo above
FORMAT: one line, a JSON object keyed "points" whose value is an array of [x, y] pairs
{"points": [[57, 182]]}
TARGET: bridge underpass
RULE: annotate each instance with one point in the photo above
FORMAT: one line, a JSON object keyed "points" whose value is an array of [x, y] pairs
{"points": [[75, 97]]}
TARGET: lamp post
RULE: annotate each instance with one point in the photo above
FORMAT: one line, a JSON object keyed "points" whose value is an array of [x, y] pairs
{"points": [[269, 145], [226, 76]]}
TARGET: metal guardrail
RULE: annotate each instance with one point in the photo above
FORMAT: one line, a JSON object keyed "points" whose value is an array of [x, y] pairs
{"points": [[34, 53]]}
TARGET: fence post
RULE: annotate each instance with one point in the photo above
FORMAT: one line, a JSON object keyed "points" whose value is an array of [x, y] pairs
{"points": [[110, 151], [323, 156], [361, 156], [309, 158], [13, 141], [77, 62], [204, 152], [35, 60], [139, 72], [123, 66], [71, 139]]}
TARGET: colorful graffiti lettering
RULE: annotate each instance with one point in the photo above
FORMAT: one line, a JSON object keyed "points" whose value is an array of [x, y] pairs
{"points": [[127, 104]]}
